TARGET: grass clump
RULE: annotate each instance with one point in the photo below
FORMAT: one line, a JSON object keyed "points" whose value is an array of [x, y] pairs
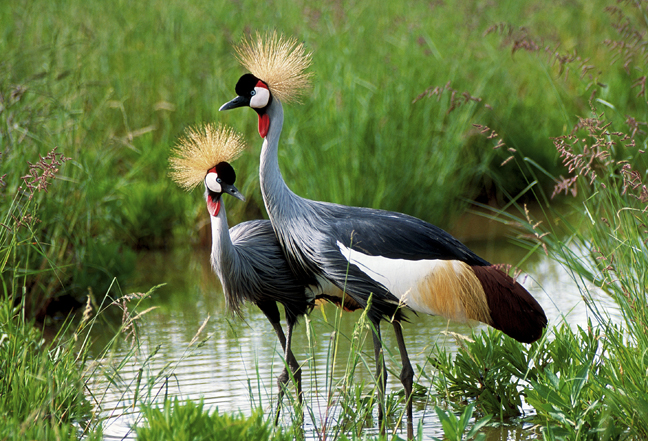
{"points": [[561, 377], [189, 421], [561, 393], [488, 370], [459, 428], [41, 386]]}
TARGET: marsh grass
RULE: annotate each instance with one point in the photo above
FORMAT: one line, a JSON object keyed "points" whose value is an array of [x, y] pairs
{"points": [[41, 391], [349, 405], [53, 246], [44, 382], [190, 421], [150, 385], [607, 251], [41, 388], [342, 401], [338, 406], [459, 428], [489, 369], [47, 389]]}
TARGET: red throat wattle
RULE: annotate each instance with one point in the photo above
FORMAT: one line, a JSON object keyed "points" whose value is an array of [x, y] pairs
{"points": [[213, 207], [264, 125]]}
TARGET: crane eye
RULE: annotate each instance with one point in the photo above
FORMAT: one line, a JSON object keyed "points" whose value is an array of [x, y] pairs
{"points": [[260, 98], [212, 182], [253, 93]]}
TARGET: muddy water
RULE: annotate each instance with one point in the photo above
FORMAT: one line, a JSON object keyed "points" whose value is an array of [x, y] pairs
{"points": [[233, 363]]}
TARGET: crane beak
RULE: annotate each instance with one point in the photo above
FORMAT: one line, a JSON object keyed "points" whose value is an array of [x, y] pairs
{"points": [[239, 101], [231, 189]]}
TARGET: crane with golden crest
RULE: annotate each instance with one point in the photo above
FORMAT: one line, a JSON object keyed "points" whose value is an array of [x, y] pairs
{"points": [[247, 257], [390, 261]]}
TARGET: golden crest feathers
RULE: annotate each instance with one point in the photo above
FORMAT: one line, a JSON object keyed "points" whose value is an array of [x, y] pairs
{"points": [[279, 61], [200, 149]]}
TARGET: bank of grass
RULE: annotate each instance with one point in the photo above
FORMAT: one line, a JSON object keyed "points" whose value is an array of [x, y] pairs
{"points": [[114, 84]]}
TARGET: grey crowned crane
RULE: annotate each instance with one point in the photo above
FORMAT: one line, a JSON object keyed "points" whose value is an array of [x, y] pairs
{"points": [[247, 257], [398, 261]]}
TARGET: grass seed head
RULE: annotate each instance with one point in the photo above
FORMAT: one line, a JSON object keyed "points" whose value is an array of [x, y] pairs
{"points": [[42, 173]]}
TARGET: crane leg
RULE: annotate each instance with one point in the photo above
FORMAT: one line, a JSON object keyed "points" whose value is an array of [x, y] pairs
{"points": [[406, 376], [292, 361], [284, 377], [381, 374], [271, 311]]}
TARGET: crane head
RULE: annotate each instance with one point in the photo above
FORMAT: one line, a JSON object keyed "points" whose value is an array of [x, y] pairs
{"points": [[220, 179], [254, 93], [199, 149]]}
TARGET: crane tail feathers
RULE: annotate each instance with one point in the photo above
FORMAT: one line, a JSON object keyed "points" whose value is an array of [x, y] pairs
{"points": [[512, 309], [452, 291]]}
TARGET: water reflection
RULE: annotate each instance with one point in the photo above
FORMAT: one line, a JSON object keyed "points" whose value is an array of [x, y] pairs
{"points": [[234, 363]]}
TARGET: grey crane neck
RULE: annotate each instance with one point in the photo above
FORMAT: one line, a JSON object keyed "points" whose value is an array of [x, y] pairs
{"points": [[276, 194], [222, 247]]}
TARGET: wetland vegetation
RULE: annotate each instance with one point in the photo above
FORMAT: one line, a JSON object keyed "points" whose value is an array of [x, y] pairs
{"points": [[436, 108]]}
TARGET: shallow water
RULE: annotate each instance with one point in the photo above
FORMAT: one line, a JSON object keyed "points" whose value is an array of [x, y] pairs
{"points": [[234, 362]]}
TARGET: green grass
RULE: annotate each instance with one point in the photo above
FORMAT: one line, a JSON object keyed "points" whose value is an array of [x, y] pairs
{"points": [[457, 428], [490, 369], [563, 378], [59, 241], [191, 422], [41, 388]]}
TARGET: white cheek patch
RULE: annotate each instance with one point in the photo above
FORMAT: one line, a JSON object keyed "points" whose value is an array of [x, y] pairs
{"points": [[261, 98], [212, 183]]}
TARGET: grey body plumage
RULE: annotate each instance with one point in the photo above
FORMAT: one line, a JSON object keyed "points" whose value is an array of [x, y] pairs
{"points": [[251, 266], [309, 230]]}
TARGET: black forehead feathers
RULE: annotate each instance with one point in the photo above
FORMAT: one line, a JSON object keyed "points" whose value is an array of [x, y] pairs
{"points": [[226, 172], [246, 84]]}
